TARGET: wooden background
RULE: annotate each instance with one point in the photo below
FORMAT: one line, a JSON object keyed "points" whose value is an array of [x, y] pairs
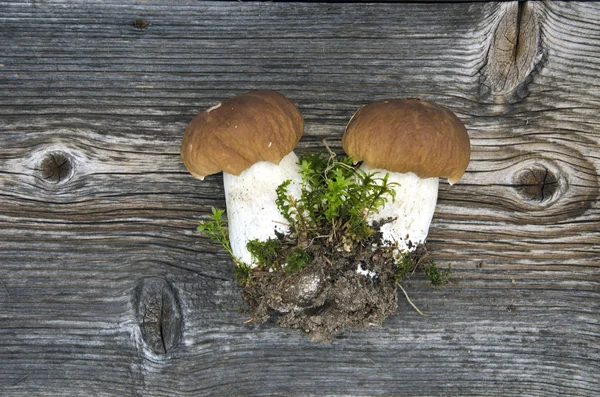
{"points": [[107, 290]]}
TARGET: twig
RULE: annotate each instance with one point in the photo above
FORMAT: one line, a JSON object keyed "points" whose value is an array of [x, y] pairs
{"points": [[22, 379], [411, 303], [317, 237]]}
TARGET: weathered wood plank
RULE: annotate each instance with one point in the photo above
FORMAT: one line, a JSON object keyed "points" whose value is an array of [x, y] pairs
{"points": [[97, 213]]}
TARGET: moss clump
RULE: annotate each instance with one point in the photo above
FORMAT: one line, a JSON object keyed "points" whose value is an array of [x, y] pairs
{"points": [[296, 259], [437, 276], [336, 199], [272, 256], [265, 252]]}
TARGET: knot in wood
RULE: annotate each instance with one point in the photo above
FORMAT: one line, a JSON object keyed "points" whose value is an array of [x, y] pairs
{"points": [[140, 24], [537, 184], [55, 167], [158, 315], [513, 50]]}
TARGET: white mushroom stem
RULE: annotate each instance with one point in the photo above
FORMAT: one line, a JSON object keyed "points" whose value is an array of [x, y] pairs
{"points": [[250, 198], [411, 210]]}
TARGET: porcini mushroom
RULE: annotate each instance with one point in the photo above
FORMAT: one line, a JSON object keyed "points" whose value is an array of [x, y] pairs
{"points": [[250, 137], [416, 142]]}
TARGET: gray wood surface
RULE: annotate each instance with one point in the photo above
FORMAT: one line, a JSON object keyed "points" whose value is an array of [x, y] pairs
{"points": [[107, 290]]}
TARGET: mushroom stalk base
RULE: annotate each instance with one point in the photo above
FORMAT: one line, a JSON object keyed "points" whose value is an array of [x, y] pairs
{"points": [[250, 198], [411, 211]]}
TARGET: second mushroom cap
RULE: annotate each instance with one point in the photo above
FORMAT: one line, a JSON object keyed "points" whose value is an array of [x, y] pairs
{"points": [[409, 135]]}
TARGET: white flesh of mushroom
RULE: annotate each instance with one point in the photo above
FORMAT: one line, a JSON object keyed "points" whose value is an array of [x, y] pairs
{"points": [[250, 199], [412, 209]]}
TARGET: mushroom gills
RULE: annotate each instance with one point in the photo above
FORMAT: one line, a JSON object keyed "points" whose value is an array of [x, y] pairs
{"points": [[411, 211], [251, 209]]}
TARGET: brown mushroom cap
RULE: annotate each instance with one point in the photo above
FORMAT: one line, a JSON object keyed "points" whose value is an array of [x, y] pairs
{"points": [[241, 131], [409, 135]]}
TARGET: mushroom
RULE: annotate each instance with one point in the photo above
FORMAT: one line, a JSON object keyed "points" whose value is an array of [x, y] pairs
{"points": [[250, 137], [416, 142]]}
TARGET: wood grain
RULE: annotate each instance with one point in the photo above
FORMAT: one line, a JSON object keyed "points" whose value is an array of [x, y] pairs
{"points": [[98, 252]]}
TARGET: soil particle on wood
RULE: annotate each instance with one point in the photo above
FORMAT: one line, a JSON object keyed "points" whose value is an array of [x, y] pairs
{"points": [[328, 294]]}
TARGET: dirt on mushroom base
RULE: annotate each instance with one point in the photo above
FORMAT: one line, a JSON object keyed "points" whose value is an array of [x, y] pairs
{"points": [[329, 294]]}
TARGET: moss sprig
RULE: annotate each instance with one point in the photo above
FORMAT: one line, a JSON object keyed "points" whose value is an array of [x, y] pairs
{"points": [[409, 263], [336, 198], [217, 232]]}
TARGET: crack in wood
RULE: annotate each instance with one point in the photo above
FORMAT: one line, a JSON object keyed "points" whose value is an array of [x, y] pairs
{"points": [[518, 43], [161, 321], [545, 184], [58, 168]]}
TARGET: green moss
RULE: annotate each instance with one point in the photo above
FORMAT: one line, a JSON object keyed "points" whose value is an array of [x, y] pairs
{"points": [[336, 198], [405, 266], [265, 252], [437, 276], [216, 231], [408, 264], [296, 259], [241, 271]]}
